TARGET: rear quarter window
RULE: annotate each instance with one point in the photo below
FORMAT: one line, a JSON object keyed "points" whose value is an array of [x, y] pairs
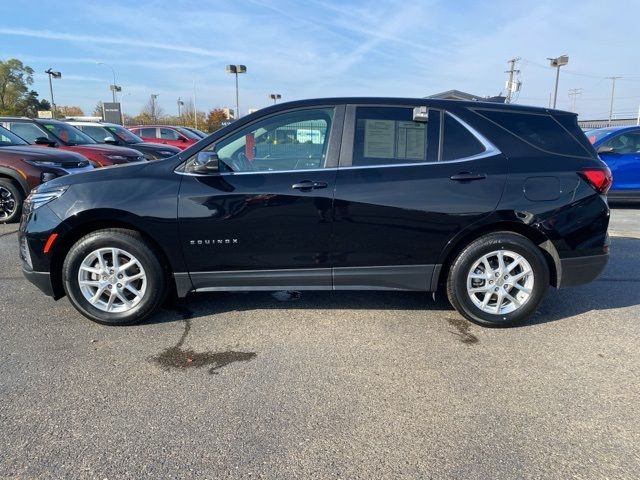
{"points": [[539, 130]]}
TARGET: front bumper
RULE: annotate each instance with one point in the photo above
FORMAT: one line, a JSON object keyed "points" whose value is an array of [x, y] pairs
{"points": [[42, 280], [580, 270]]}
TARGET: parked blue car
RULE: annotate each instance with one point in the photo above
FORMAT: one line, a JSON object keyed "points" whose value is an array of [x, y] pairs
{"points": [[619, 148]]}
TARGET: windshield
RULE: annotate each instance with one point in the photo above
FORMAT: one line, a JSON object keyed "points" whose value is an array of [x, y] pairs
{"points": [[598, 134], [188, 134], [124, 134], [200, 133], [7, 138], [68, 134]]}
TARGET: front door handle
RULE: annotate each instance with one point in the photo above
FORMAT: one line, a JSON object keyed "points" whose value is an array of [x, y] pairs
{"points": [[308, 185], [468, 176]]}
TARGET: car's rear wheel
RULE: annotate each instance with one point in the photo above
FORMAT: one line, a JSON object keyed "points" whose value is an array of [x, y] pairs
{"points": [[114, 277], [498, 280], [11, 198]]}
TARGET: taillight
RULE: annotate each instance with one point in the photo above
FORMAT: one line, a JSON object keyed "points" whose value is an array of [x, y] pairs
{"points": [[599, 178]]}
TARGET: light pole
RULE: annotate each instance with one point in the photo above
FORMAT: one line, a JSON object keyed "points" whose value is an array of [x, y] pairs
{"points": [[180, 105], [236, 69], [275, 97], [557, 63], [114, 88], [52, 74], [154, 96]]}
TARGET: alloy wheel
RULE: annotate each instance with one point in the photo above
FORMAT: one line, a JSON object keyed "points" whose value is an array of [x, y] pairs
{"points": [[7, 204], [112, 280], [500, 282]]}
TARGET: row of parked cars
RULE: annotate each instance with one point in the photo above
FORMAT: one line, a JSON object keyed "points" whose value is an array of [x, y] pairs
{"points": [[71, 147]]}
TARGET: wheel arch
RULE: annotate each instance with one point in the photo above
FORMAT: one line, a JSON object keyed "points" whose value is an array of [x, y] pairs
{"points": [[11, 174], [83, 227], [458, 244]]}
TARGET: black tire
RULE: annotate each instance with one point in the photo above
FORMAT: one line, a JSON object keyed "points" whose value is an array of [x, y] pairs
{"points": [[457, 279], [129, 241], [10, 192]]}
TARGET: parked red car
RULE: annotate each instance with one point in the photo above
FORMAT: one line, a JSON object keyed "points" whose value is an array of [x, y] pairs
{"points": [[23, 167], [177, 136], [52, 133]]}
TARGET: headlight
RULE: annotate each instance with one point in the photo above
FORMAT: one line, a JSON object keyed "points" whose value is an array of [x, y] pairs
{"points": [[43, 163], [116, 157], [36, 200]]}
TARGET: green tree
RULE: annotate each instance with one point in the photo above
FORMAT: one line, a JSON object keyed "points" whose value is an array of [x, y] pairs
{"points": [[15, 78], [30, 104]]}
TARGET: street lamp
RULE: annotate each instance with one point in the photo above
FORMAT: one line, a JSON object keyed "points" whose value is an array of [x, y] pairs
{"points": [[236, 69], [275, 97], [557, 63], [180, 105], [115, 87], [154, 97], [53, 74]]}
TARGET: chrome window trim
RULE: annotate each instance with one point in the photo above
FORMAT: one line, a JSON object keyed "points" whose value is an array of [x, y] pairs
{"points": [[490, 151], [488, 146]]}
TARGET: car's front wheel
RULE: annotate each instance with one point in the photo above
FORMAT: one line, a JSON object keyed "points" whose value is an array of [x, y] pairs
{"points": [[114, 277], [498, 280]]}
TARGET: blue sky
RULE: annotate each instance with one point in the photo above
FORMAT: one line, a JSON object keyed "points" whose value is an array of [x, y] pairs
{"points": [[318, 48]]}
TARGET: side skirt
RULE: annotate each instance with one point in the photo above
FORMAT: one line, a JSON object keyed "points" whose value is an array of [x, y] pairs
{"points": [[396, 277]]}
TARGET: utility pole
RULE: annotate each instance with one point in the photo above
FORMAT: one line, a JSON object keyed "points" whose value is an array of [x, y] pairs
{"points": [[573, 93], [613, 91], [512, 87]]}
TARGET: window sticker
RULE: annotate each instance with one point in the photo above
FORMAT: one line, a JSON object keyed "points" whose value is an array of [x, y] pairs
{"points": [[411, 141], [379, 138]]}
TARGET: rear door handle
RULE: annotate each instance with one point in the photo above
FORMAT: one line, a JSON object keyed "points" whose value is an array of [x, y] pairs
{"points": [[308, 185], [468, 176]]}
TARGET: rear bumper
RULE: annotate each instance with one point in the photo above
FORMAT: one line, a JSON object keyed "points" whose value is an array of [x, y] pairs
{"points": [[581, 270], [42, 280]]}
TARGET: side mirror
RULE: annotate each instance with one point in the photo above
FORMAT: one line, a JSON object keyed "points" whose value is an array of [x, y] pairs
{"points": [[605, 149], [44, 141], [206, 163], [110, 140]]}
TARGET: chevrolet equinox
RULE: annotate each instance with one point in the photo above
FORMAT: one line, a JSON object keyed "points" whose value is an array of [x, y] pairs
{"points": [[491, 203]]}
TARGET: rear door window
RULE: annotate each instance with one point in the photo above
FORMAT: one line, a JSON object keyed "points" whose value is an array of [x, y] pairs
{"points": [[147, 132], [388, 136]]}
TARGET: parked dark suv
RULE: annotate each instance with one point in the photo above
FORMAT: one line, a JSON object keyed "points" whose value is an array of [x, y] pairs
{"points": [[23, 167], [113, 134], [491, 203]]}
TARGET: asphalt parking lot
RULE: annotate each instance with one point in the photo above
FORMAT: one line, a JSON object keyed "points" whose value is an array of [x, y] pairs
{"points": [[328, 385]]}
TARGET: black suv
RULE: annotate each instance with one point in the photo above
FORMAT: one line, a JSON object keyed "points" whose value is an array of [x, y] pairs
{"points": [[489, 202]]}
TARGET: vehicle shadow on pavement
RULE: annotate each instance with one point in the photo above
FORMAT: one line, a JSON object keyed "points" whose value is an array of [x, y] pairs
{"points": [[617, 287]]}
